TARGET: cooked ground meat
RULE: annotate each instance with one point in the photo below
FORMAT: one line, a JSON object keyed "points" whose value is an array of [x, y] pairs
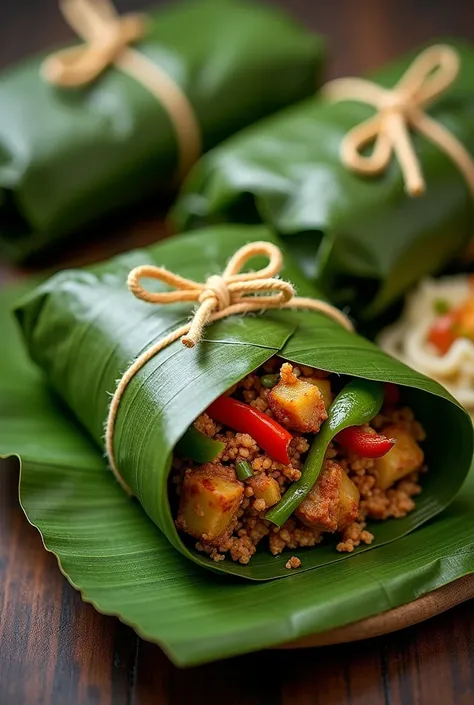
{"points": [[332, 503], [345, 496]]}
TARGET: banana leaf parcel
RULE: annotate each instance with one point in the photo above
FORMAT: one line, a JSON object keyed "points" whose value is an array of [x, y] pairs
{"points": [[70, 155], [83, 328], [362, 238], [124, 565]]}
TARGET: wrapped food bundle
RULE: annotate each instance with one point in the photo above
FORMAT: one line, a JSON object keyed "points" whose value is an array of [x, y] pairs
{"points": [[274, 433], [100, 126], [369, 203]]}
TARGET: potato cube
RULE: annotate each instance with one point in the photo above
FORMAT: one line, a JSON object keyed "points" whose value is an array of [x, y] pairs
{"points": [[298, 405], [324, 386], [210, 498], [405, 457], [266, 488], [333, 502]]}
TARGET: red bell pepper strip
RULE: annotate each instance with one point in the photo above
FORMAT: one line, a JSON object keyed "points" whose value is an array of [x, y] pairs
{"points": [[268, 434], [391, 393], [363, 442]]}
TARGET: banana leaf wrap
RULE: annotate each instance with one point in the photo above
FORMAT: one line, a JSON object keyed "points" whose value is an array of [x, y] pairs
{"points": [[109, 549], [83, 328], [69, 156], [362, 239]]}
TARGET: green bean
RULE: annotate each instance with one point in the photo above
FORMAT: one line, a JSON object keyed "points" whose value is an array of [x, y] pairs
{"points": [[243, 470]]}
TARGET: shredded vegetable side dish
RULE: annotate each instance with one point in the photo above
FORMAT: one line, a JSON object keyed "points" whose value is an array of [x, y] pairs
{"points": [[435, 334]]}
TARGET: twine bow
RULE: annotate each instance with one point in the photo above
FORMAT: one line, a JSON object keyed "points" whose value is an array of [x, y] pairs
{"points": [[400, 108], [107, 38], [233, 292]]}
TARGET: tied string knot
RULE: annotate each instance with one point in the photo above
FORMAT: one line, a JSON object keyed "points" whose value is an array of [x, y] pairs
{"points": [[232, 292], [221, 295], [106, 35], [218, 291], [398, 110], [107, 40]]}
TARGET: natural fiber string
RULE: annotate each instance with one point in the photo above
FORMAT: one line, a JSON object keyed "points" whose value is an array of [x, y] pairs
{"points": [[107, 37], [400, 108], [234, 292]]}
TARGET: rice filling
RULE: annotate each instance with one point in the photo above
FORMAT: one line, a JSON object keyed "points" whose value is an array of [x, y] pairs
{"points": [[226, 515]]}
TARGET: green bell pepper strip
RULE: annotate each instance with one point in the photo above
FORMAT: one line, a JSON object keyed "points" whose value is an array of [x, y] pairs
{"points": [[358, 402], [199, 447]]}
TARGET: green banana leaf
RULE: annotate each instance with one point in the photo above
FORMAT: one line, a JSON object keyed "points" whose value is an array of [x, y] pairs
{"points": [[83, 328], [71, 156], [362, 239], [108, 548]]}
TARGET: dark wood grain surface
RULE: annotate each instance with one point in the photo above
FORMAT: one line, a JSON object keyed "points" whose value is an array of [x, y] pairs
{"points": [[56, 650]]}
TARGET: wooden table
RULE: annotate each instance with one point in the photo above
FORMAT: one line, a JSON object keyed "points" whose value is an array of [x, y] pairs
{"points": [[56, 650]]}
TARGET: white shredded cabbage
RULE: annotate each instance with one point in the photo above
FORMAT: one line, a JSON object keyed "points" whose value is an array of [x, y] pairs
{"points": [[407, 339]]}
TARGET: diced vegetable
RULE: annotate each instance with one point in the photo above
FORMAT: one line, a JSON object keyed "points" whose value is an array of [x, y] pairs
{"points": [[266, 488], [465, 318], [210, 498], [333, 502], [442, 334], [441, 306], [298, 404], [269, 381], [405, 457], [199, 447], [324, 386], [364, 441], [243, 470], [456, 323], [268, 434], [348, 500]]}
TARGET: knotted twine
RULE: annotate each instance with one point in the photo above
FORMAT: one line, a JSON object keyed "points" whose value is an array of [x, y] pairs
{"points": [[399, 109], [221, 296], [107, 38]]}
